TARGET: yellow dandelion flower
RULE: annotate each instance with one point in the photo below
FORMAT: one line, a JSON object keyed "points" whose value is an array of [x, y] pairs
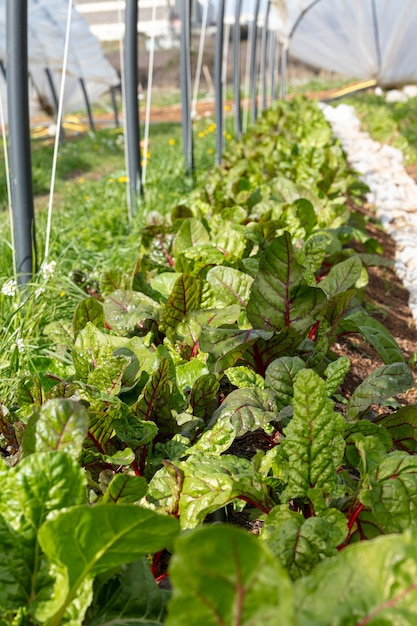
{"points": [[122, 179], [86, 197], [171, 142], [81, 180], [62, 294], [226, 107], [210, 151], [111, 179], [148, 155], [201, 135], [228, 136]]}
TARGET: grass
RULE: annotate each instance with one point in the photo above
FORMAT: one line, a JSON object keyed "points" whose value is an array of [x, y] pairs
{"points": [[91, 233], [389, 122]]}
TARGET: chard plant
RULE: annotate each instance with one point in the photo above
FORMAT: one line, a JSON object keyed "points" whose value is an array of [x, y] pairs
{"points": [[118, 449]]}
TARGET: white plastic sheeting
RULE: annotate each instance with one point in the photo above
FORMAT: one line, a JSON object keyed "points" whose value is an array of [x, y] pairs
{"points": [[364, 39], [46, 39]]}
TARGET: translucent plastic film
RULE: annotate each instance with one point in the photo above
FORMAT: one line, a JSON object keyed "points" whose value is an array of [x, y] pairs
{"points": [[365, 39]]}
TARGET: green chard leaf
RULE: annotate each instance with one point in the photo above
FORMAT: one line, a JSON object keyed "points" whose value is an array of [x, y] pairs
{"points": [[314, 444], [384, 382], [212, 482], [279, 296], [58, 425], [280, 376], [245, 586], [88, 310], [204, 395], [190, 234], [226, 346], [184, 297], [41, 484], [130, 597], [372, 582], [127, 310], [341, 277], [126, 534], [393, 493], [125, 489], [300, 543], [376, 334], [154, 402], [231, 286], [402, 426], [243, 410]]}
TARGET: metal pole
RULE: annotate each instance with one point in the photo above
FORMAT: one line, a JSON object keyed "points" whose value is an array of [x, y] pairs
{"points": [[131, 101], [272, 65], [218, 66], [19, 139], [236, 68], [87, 104], [263, 55], [114, 105], [253, 72], [284, 59], [185, 62]]}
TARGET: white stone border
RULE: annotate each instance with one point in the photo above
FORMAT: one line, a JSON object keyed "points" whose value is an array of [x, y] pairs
{"points": [[393, 191]]}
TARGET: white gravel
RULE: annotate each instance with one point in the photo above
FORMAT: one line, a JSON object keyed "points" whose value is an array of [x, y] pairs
{"points": [[393, 191]]}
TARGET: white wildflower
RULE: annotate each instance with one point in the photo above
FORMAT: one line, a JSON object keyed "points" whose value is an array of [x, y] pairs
{"points": [[9, 288], [48, 269], [20, 345]]}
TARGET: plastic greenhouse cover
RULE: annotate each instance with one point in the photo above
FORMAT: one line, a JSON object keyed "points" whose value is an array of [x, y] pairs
{"points": [[365, 39], [47, 22]]}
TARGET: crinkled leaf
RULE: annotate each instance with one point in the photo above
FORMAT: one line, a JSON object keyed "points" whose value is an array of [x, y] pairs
{"points": [[133, 431], [245, 586], [58, 425], [280, 376], [231, 286], [189, 331], [279, 295], [165, 487], [300, 543], [190, 234], [164, 283], [114, 279], [120, 457], [243, 410], [382, 383], [127, 310], [184, 297], [393, 493], [154, 402], [242, 377], [402, 426], [341, 277], [227, 345], [125, 489], [354, 433], [335, 374], [108, 376], [264, 351], [376, 334], [130, 597], [40, 484], [88, 310], [372, 582], [203, 395], [212, 482], [314, 444], [126, 533], [188, 373]]}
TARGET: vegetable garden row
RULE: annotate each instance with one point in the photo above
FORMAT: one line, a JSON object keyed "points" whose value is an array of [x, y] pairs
{"points": [[118, 450]]}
